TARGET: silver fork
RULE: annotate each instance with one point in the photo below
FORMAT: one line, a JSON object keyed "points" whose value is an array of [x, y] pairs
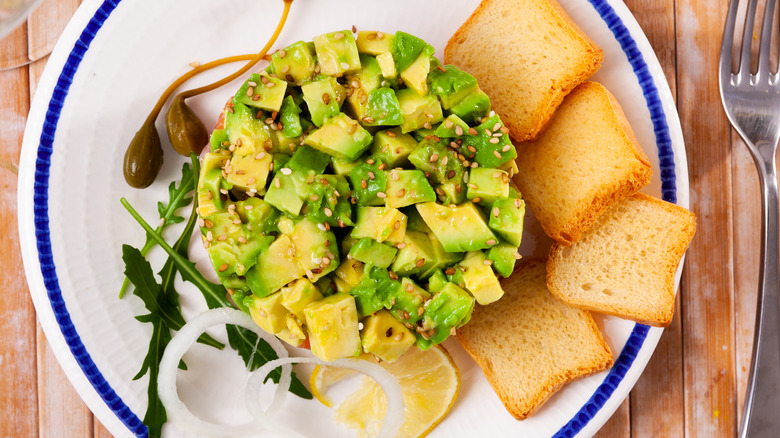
{"points": [[752, 103]]}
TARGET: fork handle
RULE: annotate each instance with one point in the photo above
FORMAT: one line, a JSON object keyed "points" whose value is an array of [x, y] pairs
{"points": [[761, 415]]}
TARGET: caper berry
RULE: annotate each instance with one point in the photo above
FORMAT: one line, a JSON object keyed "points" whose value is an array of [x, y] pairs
{"points": [[143, 157], [185, 130]]}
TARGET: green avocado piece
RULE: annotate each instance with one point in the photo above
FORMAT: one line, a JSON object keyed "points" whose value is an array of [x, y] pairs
{"points": [[392, 147], [405, 302], [372, 252], [387, 65], [268, 312], [329, 201], [373, 42], [472, 108], [506, 219], [416, 75], [211, 183], [437, 281], [504, 255], [452, 192], [295, 63], [382, 108], [451, 85], [416, 256], [475, 275], [452, 127], [321, 99], [458, 227], [219, 140], [245, 132], [490, 147], [449, 309], [406, 49], [415, 222], [373, 291], [380, 223], [385, 337], [332, 325], [258, 214], [350, 272], [438, 161], [290, 118], [343, 167], [361, 84], [316, 249], [441, 257], [486, 185], [291, 183], [326, 285], [418, 111], [262, 91], [337, 53], [368, 182], [407, 187], [299, 294], [275, 268], [341, 137]]}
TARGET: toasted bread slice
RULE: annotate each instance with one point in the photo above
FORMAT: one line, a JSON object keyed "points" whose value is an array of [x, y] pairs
{"points": [[625, 264], [586, 160], [526, 56], [530, 344]]}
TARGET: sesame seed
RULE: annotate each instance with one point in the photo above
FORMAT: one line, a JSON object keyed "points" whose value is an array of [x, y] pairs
{"points": [[433, 158], [400, 193], [401, 245], [497, 174], [448, 124], [363, 184], [518, 202], [326, 261], [491, 242], [420, 263], [458, 131], [380, 35], [338, 36], [420, 310], [237, 221], [477, 199], [472, 131], [321, 227], [473, 186], [368, 119], [389, 332], [382, 166], [395, 176], [465, 177], [494, 140], [328, 212], [240, 172], [399, 337], [269, 121], [496, 211], [497, 154], [450, 271], [277, 183], [471, 148], [506, 148], [250, 91], [451, 174], [452, 331], [498, 134], [381, 195], [440, 192], [444, 161], [352, 128], [270, 84], [344, 65], [223, 267], [286, 171], [497, 126], [487, 262], [242, 239], [427, 125], [410, 288], [371, 175], [260, 156], [314, 197], [474, 165], [392, 275], [325, 98], [248, 207]]}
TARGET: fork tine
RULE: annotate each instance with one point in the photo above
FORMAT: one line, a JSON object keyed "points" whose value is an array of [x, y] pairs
{"points": [[747, 38], [766, 40], [727, 45]]}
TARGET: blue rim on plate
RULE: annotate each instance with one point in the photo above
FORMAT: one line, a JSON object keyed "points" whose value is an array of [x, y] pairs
{"points": [[79, 351]]}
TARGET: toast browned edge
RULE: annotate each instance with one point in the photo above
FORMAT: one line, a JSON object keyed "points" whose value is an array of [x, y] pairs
{"points": [[597, 59], [518, 412], [672, 264]]}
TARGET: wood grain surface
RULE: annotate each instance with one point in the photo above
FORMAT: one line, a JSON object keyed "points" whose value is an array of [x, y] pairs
{"points": [[693, 386]]}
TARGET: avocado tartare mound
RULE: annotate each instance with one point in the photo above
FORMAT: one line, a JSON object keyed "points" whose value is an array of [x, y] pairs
{"points": [[358, 196]]}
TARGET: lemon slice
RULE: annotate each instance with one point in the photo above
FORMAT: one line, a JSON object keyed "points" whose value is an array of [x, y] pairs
{"points": [[429, 381]]}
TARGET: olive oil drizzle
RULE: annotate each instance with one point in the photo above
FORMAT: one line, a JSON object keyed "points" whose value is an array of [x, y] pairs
{"points": [[144, 155]]}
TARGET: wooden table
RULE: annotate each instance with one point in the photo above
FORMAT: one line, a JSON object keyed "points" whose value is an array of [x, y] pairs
{"points": [[695, 383]]}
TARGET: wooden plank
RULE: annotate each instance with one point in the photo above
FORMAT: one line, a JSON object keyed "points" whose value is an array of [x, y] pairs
{"points": [[665, 369], [100, 431], [46, 24], [708, 301], [619, 425], [13, 48], [18, 400]]}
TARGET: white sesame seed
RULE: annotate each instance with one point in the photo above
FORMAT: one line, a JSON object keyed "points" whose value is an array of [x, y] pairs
{"points": [[506, 148], [344, 65], [458, 131], [381, 195], [286, 171], [494, 140]]}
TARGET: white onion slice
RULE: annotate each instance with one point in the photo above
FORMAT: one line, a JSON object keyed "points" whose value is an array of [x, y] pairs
{"points": [[394, 417], [166, 380]]}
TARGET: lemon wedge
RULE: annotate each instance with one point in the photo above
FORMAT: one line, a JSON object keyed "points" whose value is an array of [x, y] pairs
{"points": [[429, 381]]}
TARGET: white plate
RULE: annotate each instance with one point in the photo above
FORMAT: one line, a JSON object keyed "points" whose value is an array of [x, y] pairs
{"points": [[116, 57]]}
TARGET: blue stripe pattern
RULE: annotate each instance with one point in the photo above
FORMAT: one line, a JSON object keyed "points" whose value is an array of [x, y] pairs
{"points": [[46, 258]]}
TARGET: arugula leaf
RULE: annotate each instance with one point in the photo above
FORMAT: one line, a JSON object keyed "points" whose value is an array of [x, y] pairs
{"points": [[177, 199], [155, 415]]}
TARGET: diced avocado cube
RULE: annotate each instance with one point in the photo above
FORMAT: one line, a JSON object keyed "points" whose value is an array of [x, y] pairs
{"points": [[262, 91], [437, 281], [486, 185], [268, 312], [210, 182], [337, 53], [380, 223], [452, 127], [458, 227], [476, 276], [449, 309], [361, 84], [503, 256], [329, 201], [440, 162], [219, 140], [441, 257], [369, 184], [232, 248], [451, 84], [247, 134], [372, 252], [406, 303], [416, 75], [281, 160], [506, 219], [416, 255], [347, 242], [299, 294], [452, 191], [473, 107], [332, 324], [392, 147], [407, 187], [326, 285], [350, 272], [418, 111], [406, 49], [316, 250], [284, 145], [382, 108], [291, 183], [510, 167], [249, 172], [258, 214], [295, 63], [290, 118], [385, 337], [275, 268], [373, 42], [321, 99], [372, 293], [386, 65], [414, 221], [490, 147], [343, 167], [341, 137], [294, 333]]}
